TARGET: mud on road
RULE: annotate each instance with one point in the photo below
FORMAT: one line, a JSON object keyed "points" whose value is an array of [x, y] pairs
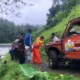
{"points": [[63, 69]]}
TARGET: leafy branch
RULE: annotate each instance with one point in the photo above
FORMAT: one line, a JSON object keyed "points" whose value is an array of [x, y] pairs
{"points": [[7, 6]]}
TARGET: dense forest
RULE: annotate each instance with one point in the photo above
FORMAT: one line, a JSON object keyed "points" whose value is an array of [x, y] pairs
{"points": [[59, 10], [9, 31]]}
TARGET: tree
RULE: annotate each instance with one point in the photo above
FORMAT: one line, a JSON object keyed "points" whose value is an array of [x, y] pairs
{"points": [[59, 2], [60, 9], [10, 6], [9, 31]]}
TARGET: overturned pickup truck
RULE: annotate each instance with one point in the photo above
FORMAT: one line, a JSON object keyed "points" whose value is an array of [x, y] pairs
{"points": [[67, 48]]}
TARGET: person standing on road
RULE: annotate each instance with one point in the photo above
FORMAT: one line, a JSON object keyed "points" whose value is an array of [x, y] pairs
{"points": [[28, 44], [21, 49], [36, 51], [28, 38], [14, 49]]}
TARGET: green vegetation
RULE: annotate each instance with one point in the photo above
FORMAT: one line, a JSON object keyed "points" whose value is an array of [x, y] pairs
{"points": [[60, 27], [59, 15], [13, 31], [60, 9], [10, 70], [57, 22]]}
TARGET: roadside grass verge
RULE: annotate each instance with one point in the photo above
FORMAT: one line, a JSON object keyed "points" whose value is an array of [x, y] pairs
{"points": [[11, 70]]}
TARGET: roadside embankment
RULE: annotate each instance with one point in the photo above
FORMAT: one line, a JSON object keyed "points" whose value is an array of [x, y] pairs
{"points": [[12, 70]]}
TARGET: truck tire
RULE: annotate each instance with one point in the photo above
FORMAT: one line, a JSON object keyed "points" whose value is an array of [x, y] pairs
{"points": [[53, 59], [77, 64]]}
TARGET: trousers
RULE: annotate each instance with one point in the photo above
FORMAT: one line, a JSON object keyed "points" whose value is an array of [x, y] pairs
{"points": [[36, 57]]}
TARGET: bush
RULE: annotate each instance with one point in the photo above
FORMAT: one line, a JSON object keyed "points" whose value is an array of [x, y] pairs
{"points": [[10, 70], [3, 69]]}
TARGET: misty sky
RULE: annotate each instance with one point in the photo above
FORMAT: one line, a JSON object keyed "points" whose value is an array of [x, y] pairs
{"points": [[31, 14]]}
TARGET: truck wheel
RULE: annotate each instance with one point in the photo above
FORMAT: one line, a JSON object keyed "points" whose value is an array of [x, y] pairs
{"points": [[77, 64], [53, 59]]}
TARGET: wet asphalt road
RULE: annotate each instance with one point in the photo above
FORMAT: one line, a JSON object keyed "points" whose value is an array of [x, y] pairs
{"points": [[4, 49], [63, 69]]}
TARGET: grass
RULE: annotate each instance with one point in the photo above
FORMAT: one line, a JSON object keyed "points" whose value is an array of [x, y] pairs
{"points": [[11, 70], [60, 27], [62, 76]]}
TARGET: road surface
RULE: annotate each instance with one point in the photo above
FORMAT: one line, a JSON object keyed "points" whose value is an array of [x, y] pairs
{"points": [[4, 49], [63, 69]]}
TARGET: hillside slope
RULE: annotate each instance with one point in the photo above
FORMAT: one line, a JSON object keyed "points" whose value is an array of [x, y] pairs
{"points": [[60, 27]]}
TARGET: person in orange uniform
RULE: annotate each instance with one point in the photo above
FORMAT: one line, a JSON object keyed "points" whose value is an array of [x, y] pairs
{"points": [[36, 51]]}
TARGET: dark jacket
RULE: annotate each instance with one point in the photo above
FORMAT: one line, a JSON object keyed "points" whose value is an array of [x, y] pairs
{"points": [[21, 46]]}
